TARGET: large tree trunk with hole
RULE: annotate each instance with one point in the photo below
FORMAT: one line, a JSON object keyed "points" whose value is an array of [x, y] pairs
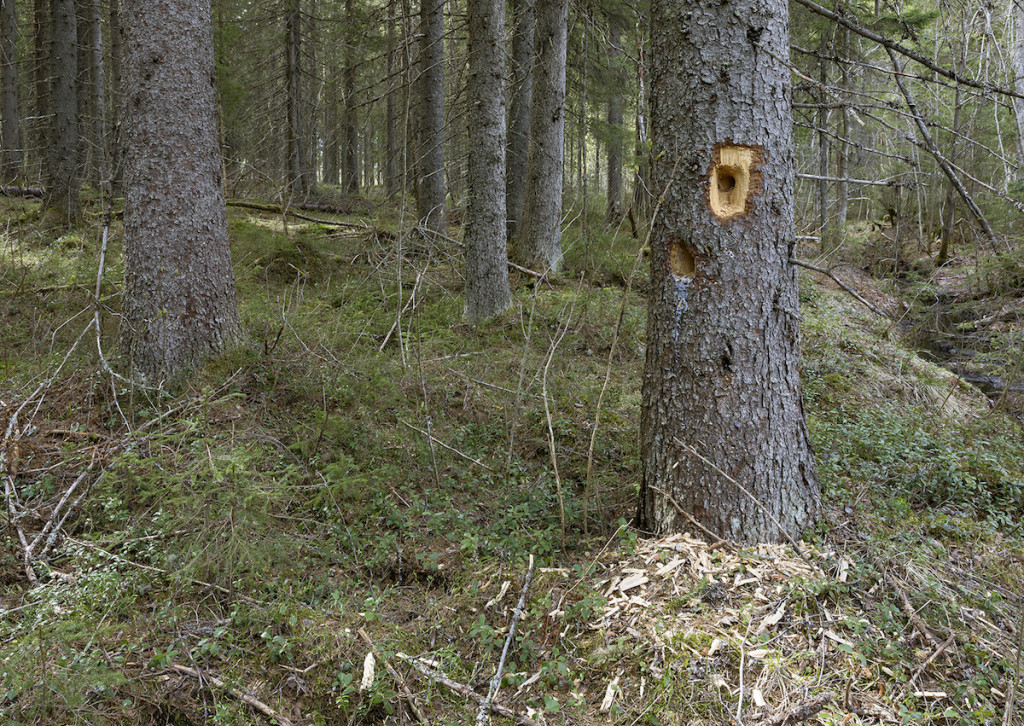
{"points": [[10, 136], [613, 206], [539, 240], [179, 298], [487, 286], [64, 176], [430, 193], [518, 149], [723, 432]]}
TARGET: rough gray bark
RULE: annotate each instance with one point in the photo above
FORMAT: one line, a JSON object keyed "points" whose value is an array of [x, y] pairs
{"points": [[390, 142], [539, 240], [350, 161], [1017, 62], [98, 95], [430, 194], [822, 123], [721, 379], [298, 173], [115, 93], [843, 152], [41, 79], [179, 299], [332, 142], [487, 287], [518, 148], [10, 136], [613, 206], [63, 177]]}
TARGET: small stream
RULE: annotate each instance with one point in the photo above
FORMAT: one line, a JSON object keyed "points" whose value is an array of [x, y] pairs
{"points": [[970, 354]]}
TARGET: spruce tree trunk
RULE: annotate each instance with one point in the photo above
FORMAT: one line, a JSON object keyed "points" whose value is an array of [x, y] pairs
{"points": [[114, 143], [10, 136], [518, 147], [822, 123], [298, 174], [63, 172], [98, 94], [350, 162], [430, 196], [1017, 62], [539, 241], [721, 379], [487, 287], [41, 83], [179, 298], [390, 141], [613, 208], [332, 142]]}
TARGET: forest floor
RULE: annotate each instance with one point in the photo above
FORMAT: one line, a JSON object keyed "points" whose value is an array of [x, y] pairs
{"points": [[367, 475]]}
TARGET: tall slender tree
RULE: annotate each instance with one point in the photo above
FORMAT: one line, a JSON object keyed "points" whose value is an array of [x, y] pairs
{"points": [[539, 240], [518, 148], [299, 180], [10, 136], [613, 206], [723, 434], [487, 287], [179, 298], [63, 180], [350, 161], [430, 196]]}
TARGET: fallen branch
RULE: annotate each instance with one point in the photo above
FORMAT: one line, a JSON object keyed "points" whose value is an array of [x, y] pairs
{"points": [[931, 659], [464, 690], [277, 209], [802, 712], [12, 191], [234, 693], [399, 681], [713, 539], [446, 446], [492, 692], [822, 270]]}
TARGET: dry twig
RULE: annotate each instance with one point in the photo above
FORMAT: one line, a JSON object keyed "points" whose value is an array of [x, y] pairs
{"points": [[245, 698]]}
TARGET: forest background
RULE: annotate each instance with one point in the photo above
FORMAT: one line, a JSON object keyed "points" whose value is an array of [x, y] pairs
{"points": [[370, 477]]}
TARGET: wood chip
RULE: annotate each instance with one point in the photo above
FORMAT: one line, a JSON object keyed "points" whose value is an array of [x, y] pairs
{"points": [[772, 619], [609, 695], [670, 567], [758, 698], [633, 581]]}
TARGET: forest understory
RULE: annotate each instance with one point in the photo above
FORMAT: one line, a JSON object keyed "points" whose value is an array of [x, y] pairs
{"points": [[368, 475]]}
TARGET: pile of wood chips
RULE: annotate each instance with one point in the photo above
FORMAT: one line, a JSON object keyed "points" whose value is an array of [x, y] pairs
{"points": [[754, 625]]}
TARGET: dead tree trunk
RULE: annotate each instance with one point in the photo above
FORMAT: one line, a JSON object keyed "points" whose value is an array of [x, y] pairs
{"points": [[723, 435], [350, 161]]}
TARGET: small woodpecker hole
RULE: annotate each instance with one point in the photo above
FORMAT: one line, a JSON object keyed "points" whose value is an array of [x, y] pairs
{"points": [[726, 181], [680, 261]]}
